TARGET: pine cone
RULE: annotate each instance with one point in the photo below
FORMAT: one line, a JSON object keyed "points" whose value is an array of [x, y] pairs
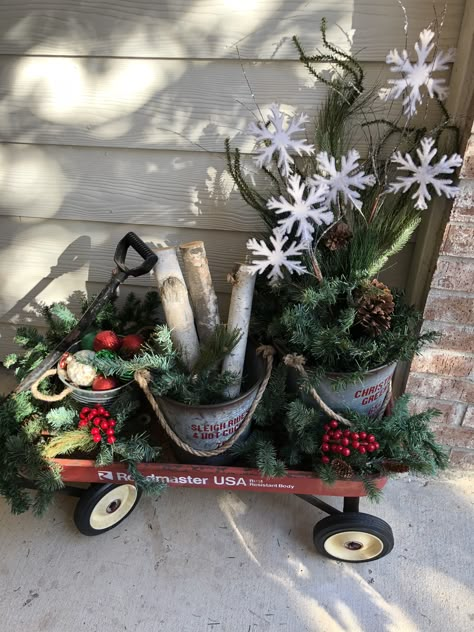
{"points": [[394, 466], [337, 237], [375, 306], [342, 469]]}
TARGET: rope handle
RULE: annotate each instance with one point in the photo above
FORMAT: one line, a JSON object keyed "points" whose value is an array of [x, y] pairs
{"points": [[298, 361], [48, 398], [143, 377]]}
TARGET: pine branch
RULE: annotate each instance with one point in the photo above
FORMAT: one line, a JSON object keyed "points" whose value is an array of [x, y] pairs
{"points": [[373, 493], [62, 418], [216, 348]]}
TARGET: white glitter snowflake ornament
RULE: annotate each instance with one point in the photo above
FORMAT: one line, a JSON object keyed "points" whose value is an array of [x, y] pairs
{"points": [[418, 74], [276, 138], [425, 173], [306, 209], [278, 258], [344, 182]]}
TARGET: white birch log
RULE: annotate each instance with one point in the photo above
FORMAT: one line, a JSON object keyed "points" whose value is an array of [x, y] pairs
{"points": [[201, 289], [239, 318], [175, 300]]}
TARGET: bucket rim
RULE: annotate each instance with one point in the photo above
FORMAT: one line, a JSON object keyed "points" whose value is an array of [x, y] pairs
{"points": [[330, 374], [227, 402]]}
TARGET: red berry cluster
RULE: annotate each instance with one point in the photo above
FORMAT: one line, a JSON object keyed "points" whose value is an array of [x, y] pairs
{"points": [[99, 421], [340, 442]]}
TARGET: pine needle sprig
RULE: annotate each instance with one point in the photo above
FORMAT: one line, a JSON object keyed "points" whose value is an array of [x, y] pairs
{"points": [[219, 344], [374, 494], [125, 369], [62, 418], [68, 442]]}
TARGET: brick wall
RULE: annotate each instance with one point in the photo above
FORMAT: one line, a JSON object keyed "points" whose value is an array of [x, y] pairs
{"points": [[443, 376]]}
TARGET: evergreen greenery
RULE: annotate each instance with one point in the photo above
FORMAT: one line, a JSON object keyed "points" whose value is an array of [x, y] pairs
{"points": [[33, 432], [204, 384], [318, 318], [288, 434], [323, 326]]}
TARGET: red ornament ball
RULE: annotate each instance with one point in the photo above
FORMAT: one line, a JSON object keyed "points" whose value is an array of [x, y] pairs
{"points": [[107, 340], [325, 459], [95, 431], [96, 421], [377, 445], [346, 433], [346, 452], [104, 425], [334, 447], [371, 447], [111, 439], [327, 427], [362, 435], [96, 438], [345, 441], [131, 345], [362, 449], [101, 383], [112, 423], [371, 438], [326, 438], [333, 423], [110, 432], [325, 447], [354, 436], [355, 444]]}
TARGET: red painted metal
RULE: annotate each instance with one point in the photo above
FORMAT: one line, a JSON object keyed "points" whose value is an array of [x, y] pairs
{"points": [[211, 477]]}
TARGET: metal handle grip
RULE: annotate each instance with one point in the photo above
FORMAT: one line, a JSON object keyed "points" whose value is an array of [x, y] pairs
{"points": [[131, 240]]}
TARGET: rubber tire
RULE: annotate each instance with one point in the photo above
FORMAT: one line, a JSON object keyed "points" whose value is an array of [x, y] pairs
{"points": [[89, 501], [345, 522]]}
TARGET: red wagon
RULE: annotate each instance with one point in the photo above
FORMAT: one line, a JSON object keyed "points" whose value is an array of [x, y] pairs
{"points": [[345, 535]]}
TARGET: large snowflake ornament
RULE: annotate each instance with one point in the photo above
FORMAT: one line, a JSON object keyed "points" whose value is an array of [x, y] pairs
{"points": [[276, 138], [425, 173], [418, 74], [344, 182], [306, 209], [277, 258]]}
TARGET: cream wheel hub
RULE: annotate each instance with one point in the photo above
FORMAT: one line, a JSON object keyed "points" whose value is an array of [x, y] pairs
{"points": [[353, 546], [113, 507]]}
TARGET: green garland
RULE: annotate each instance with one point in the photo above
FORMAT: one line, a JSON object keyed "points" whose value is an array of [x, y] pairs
{"points": [[33, 432], [288, 435]]}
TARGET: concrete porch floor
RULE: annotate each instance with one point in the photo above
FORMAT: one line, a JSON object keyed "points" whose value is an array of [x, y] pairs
{"points": [[203, 560]]}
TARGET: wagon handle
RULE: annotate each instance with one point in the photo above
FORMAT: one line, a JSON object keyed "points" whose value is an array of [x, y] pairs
{"points": [[48, 398], [142, 378]]}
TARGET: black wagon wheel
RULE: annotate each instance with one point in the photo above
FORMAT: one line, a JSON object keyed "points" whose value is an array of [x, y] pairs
{"points": [[102, 507], [353, 537]]}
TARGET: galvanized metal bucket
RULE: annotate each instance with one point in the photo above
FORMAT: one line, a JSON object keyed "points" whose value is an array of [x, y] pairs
{"points": [[86, 395], [366, 396], [207, 427]]}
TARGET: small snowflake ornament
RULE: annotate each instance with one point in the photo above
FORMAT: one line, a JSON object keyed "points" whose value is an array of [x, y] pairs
{"points": [[306, 209], [344, 182], [277, 139], [278, 258], [418, 74], [425, 173]]}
